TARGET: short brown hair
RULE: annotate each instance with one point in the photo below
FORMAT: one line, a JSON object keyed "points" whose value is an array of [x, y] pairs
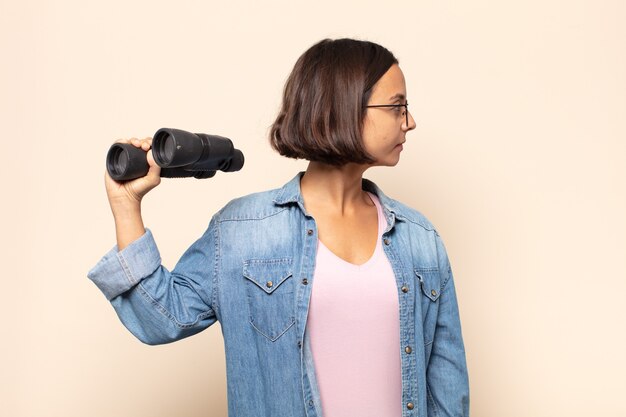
{"points": [[324, 99]]}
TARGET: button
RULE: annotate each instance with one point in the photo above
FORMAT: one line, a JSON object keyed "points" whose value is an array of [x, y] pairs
{"points": [[305, 281], [405, 288], [386, 241], [269, 284], [310, 403], [433, 292], [309, 232], [409, 406], [299, 344], [408, 349]]}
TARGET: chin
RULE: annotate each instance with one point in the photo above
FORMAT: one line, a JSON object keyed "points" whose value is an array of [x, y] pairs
{"points": [[390, 163]]}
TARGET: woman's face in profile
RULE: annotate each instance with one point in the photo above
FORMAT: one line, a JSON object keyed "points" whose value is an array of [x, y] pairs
{"points": [[384, 128]]}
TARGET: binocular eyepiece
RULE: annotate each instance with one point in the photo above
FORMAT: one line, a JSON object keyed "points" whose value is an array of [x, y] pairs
{"points": [[179, 153]]}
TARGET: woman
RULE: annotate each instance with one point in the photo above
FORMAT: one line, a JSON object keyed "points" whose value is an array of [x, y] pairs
{"points": [[333, 298]]}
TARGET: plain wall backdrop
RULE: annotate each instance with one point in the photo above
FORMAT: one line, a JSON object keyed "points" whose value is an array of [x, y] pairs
{"points": [[518, 159]]}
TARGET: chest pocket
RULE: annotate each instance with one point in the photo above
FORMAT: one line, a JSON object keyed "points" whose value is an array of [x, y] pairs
{"points": [[430, 284], [270, 293]]}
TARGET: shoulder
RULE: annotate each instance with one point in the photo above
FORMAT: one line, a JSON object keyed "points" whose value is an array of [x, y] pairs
{"points": [[412, 215], [257, 205]]}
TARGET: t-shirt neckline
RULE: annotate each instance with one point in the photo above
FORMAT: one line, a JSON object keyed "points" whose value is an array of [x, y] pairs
{"points": [[378, 247]]}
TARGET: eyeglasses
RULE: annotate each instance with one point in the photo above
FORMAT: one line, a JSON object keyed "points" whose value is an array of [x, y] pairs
{"points": [[405, 105]]}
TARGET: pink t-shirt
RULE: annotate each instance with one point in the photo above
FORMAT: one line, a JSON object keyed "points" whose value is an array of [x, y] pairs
{"points": [[354, 330]]}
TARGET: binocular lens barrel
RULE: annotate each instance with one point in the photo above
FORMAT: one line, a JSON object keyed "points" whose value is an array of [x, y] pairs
{"points": [[168, 148], [125, 161], [119, 160], [179, 153], [175, 147]]}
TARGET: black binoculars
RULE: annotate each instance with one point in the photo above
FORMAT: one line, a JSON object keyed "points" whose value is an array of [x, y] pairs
{"points": [[179, 153]]}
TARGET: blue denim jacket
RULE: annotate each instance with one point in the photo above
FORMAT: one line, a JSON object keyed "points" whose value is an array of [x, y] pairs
{"points": [[225, 275]]}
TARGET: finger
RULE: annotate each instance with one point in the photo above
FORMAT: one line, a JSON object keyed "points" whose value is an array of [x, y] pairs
{"points": [[150, 159], [154, 167]]}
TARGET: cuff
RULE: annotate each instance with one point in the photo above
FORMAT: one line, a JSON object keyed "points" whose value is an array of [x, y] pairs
{"points": [[117, 272]]}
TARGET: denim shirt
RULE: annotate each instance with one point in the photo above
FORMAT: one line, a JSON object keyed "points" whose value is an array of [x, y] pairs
{"points": [[252, 270]]}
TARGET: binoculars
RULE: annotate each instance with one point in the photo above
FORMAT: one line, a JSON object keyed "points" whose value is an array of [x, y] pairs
{"points": [[179, 153]]}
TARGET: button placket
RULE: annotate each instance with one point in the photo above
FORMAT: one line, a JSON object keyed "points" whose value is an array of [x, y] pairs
{"points": [[407, 349]]}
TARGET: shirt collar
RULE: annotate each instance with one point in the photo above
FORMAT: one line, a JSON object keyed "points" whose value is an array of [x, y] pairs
{"points": [[291, 193]]}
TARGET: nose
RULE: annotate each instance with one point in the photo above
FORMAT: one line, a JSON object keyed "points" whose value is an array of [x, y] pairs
{"points": [[411, 124]]}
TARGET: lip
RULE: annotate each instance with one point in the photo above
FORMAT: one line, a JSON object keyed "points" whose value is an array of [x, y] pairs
{"points": [[399, 145]]}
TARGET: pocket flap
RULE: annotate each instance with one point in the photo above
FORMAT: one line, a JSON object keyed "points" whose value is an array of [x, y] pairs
{"points": [[430, 282], [267, 274]]}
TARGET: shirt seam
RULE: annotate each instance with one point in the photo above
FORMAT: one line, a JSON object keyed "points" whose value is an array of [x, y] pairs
{"points": [[250, 217], [169, 315], [216, 282], [126, 268]]}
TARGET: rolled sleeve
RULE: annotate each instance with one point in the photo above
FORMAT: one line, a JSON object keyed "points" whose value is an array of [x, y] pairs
{"points": [[119, 271]]}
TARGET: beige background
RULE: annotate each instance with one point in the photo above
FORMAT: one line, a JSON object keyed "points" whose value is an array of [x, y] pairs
{"points": [[518, 159]]}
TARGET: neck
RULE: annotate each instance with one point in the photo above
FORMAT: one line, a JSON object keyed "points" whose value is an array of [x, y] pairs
{"points": [[337, 189]]}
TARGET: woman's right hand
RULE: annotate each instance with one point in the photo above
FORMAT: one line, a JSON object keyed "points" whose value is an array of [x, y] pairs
{"points": [[131, 192]]}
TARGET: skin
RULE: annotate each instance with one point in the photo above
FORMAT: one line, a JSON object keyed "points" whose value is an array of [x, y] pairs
{"points": [[345, 216], [125, 198]]}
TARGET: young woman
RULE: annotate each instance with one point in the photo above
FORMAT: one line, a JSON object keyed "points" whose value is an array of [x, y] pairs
{"points": [[333, 298]]}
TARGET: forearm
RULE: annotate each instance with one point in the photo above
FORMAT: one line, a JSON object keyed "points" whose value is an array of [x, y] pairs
{"points": [[128, 224], [156, 305]]}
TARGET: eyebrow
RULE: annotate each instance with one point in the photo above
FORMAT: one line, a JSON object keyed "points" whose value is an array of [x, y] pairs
{"points": [[397, 96]]}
